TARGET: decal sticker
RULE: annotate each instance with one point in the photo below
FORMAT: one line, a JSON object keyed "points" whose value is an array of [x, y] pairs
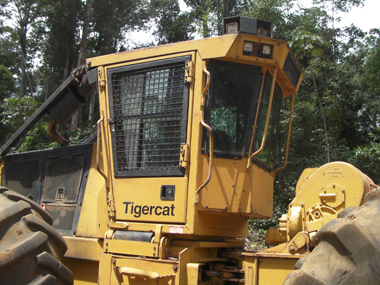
{"points": [[145, 210], [175, 230]]}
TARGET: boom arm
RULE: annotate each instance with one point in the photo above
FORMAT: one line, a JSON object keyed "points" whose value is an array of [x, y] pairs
{"points": [[58, 105]]}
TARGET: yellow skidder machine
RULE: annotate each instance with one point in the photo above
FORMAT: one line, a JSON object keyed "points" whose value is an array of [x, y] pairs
{"points": [[183, 157]]}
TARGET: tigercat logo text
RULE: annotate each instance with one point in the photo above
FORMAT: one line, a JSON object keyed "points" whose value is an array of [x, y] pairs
{"points": [[138, 210]]}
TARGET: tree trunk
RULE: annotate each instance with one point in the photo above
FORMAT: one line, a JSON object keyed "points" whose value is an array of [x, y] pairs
{"points": [[219, 18], [22, 76], [323, 116], [67, 65], [22, 62], [82, 49]]}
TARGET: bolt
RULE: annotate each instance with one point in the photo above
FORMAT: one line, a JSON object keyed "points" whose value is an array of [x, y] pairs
{"points": [[206, 206], [234, 162], [233, 184], [89, 63], [175, 267], [113, 261], [292, 248]]}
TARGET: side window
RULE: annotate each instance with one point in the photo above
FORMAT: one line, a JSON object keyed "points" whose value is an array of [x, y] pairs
{"points": [[268, 155], [148, 104]]}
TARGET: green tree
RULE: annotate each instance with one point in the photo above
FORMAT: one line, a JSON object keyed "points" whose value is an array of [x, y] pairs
{"points": [[171, 25], [25, 14], [7, 88], [112, 19], [208, 14]]}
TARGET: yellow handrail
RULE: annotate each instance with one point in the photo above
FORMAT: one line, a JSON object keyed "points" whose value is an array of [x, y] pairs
{"points": [[287, 139], [99, 133], [249, 163], [210, 135]]}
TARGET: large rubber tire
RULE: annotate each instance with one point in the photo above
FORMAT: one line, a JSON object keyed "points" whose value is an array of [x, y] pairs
{"points": [[30, 248], [347, 249]]}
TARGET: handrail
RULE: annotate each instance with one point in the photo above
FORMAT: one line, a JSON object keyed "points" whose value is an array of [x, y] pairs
{"points": [[287, 139], [257, 112], [99, 133], [249, 163], [211, 140]]}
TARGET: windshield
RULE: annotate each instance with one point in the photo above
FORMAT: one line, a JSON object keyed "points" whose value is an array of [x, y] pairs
{"points": [[231, 108], [234, 93]]}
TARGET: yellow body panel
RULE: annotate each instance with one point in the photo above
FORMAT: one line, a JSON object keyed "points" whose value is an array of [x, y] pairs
{"points": [[85, 272], [238, 190], [83, 248], [267, 269], [139, 200], [89, 225], [208, 48]]}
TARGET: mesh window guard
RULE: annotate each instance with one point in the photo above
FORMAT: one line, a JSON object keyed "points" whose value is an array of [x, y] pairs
{"points": [[149, 116]]}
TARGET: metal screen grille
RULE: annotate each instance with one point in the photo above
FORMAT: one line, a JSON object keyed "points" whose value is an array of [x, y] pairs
{"points": [[148, 114]]}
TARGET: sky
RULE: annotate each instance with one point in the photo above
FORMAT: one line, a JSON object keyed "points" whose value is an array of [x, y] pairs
{"points": [[362, 17], [365, 17]]}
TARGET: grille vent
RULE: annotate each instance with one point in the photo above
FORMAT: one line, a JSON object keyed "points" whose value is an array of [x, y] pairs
{"points": [[150, 109]]}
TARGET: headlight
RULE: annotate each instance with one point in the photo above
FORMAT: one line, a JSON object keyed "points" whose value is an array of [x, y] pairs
{"points": [[248, 48], [266, 51], [232, 28], [262, 32]]}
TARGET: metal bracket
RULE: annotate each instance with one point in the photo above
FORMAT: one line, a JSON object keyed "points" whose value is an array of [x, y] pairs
{"points": [[184, 156], [101, 77], [118, 225], [189, 72]]}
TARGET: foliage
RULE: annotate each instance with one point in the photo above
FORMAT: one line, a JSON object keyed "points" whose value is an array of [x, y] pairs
{"points": [[208, 14], [256, 237], [171, 24], [17, 110], [7, 83]]}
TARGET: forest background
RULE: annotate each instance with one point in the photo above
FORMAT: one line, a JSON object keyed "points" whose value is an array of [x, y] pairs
{"points": [[336, 113]]}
